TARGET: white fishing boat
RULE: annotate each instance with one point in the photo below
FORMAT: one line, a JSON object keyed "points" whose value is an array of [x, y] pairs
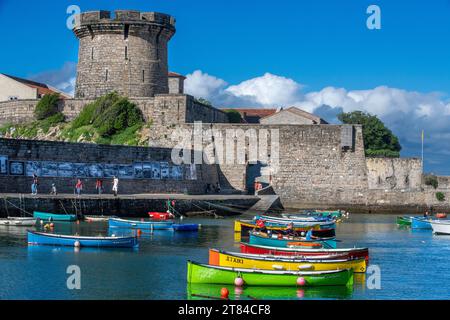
{"points": [[440, 226], [96, 218], [18, 221]]}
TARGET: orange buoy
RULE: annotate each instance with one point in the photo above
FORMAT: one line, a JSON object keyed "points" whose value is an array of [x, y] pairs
{"points": [[224, 293], [139, 232], [441, 215]]}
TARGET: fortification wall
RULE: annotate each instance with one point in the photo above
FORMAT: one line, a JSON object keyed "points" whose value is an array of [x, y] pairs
{"points": [[394, 173], [162, 110], [62, 163]]}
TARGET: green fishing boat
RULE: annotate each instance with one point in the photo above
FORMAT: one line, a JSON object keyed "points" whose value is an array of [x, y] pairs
{"points": [[201, 291], [203, 273], [404, 221]]}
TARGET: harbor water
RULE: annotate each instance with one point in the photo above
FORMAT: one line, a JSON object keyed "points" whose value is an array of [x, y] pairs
{"points": [[412, 264]]}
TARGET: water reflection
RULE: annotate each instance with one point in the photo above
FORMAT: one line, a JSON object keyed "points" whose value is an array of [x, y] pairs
{"points": [[196, 291]]}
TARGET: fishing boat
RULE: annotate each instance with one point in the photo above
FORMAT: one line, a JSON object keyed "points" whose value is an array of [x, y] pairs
{"points": [[404, 221], [420, 223], [341, 253], [41, 238], [54, 217], [264, 239], [266, 262], [18, 221], [243, 227], [96, 218], [328, 224], [441, 226], [201, 291], [203, 273], [160, 215], [144, 225], [297, 219], [320, 213]]}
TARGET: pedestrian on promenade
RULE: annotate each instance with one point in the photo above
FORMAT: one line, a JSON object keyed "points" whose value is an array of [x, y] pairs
{"points": [[34, 185], [115, 187], [79, 187], [99, 186], [53, 191]]}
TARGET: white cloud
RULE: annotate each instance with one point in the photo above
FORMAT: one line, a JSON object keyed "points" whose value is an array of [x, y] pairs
{"points": [[62, 79], [405, 112], [202, 85]]}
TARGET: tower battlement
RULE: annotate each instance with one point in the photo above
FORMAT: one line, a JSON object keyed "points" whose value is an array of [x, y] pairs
{"points": [[125, 52], [122, 16]]}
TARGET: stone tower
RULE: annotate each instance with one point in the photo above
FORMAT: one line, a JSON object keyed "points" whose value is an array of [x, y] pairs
{"points": [[126, 53]]}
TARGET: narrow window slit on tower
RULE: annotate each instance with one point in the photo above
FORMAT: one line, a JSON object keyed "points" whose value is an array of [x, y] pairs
{"points": [[143, 75], [92, 53], [106, 75], [126, 31], [126, 53]]}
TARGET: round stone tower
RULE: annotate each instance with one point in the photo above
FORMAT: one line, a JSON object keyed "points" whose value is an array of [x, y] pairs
{"points": [[126, 53]]}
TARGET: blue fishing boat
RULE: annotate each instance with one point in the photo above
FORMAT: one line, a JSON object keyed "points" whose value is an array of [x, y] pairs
{"points": [[262, 239], [280, 223], [41, 238], [54, 217], [186, 227], [420, 223], [143, 225]]}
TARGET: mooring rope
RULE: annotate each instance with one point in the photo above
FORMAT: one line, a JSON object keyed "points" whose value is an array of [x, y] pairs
{"points": [[12, 204]]}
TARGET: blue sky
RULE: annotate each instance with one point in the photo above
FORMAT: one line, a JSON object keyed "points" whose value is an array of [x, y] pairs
{"points": [[320, 50]]}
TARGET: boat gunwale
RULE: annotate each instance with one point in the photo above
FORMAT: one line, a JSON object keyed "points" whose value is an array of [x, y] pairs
{"points": [[334, 250], [63, 236]]}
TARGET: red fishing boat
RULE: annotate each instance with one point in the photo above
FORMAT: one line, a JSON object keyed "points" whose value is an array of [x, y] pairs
{"points": [[161, 215], [342, 253]]}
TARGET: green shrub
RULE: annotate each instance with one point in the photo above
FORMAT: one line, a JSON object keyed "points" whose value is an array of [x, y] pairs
{"points": [[234, 116], [431, 180], [440, 196], [384, 153], [47, 106]]}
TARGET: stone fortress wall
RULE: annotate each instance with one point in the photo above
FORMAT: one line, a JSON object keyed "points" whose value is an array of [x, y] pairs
{"points": [[319, 165]]}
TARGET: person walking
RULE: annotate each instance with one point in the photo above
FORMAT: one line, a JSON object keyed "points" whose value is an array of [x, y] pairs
{"points": [[99, 186], [115, 187], [34, 184], [53, 190], [79, 187]]}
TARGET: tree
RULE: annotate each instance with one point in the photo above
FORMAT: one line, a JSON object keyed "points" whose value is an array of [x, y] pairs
{"points": [[47, 106], [234, 116], [204, 101], [379, 141]]}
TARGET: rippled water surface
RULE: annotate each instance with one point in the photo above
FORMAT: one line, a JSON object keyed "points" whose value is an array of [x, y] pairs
{"points": [[413, 264]]}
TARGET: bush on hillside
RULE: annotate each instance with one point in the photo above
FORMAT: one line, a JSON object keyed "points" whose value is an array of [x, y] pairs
{"points": [[47, 106]]}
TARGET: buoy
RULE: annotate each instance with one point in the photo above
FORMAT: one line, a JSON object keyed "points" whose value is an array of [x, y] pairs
{"points": [[77, 244], [41, 222], [181, 217], [238, 282], [139, 232], [52, 225], [224, 293], [301, 281]]}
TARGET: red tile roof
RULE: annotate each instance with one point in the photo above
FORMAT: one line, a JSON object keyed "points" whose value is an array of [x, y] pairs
{"points": [[252, 115], [42, 88]]}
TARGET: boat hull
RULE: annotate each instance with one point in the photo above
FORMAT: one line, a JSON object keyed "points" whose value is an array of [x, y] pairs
{"points": [[200, 273], [441, 227], [404, 221], [264, 262], [420, 223], [39, 238], [284, 243], [18, 222], [188, 227], [54, 217], [351, 253], [142, 225]]}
